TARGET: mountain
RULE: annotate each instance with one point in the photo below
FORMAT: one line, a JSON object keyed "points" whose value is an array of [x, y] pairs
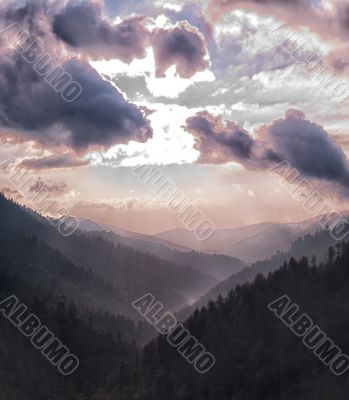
{"points": [[219, 242], [315, 245], [25, 374], [251, 243], [272, 238], [258, 356], [93, 270], [134, 273], [88, 225], [219, 266], [71, 283]]}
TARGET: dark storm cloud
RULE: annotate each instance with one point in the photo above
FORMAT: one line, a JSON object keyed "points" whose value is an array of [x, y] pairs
{"points": [[31, 107], [28, 12], [308, 147], [81, 26], [99, 117], [56, 161], [305, 145], [218, 142], [182, 46]]}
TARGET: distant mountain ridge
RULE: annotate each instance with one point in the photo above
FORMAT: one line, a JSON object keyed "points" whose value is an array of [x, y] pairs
{"points": [[311, 245], [250, 243], [219, 266], [89, 225], [221, 240], [123, 274], [258, 356]]}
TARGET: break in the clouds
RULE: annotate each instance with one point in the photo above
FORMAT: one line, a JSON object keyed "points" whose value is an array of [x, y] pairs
{"points": [[82, 26], [182, 46], [305, 145]]}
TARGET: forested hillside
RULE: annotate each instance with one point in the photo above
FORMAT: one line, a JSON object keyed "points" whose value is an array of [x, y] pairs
{"points": [[174, 196], [26, 375], [314, 246], [219, 266], [75, 293], [99, 272], [257, 356]]}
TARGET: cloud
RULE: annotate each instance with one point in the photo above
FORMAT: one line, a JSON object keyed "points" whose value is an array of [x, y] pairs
{"points": [[31, 104], [94, 204], [99, 117], [81, 26], [57, 189], [11, 193], [292, 11], [53, 162], [329, 19], [218, 142], [193, 14], [113, 205], [28, 13], [305, 145], [182, 46], [308, 147]]}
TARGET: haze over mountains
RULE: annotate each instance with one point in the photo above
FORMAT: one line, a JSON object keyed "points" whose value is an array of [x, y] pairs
{"points": [[88, 225], [83, 286], [248, 243], [169, 121], [313, 246], [257, 356], [219, 266], [123, 273]]}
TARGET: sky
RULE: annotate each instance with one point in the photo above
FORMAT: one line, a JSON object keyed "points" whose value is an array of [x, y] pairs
{"points": [[215, 94]]}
